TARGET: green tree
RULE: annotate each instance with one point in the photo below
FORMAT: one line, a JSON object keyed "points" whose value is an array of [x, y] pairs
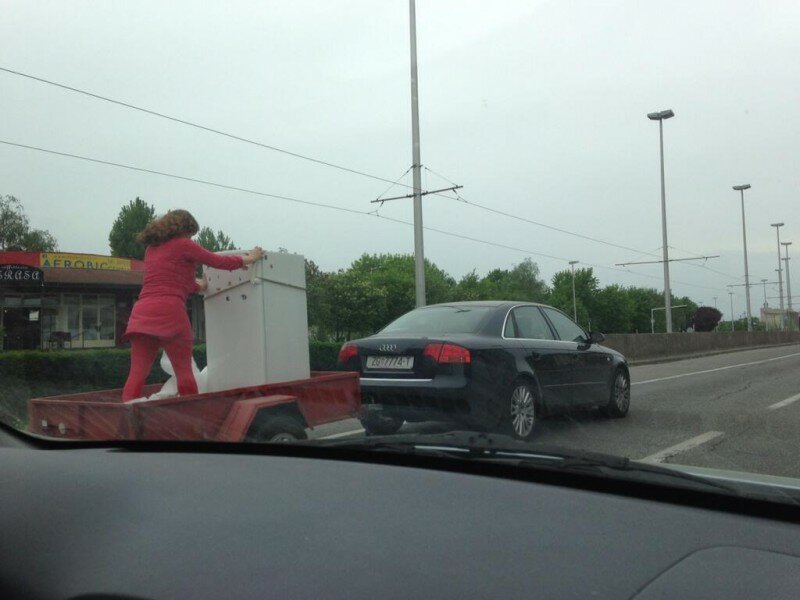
{"points": [[469, 287], [214, 242], [613, 310], [682, 317], [645, 299], [39, 240], [521, 283], [586, 290], [394, 273], [132, 219], [15, 230], [355, 305], [317, 282]]}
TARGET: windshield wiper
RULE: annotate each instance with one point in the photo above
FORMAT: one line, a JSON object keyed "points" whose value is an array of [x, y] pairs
{"points": [[503, 449]]}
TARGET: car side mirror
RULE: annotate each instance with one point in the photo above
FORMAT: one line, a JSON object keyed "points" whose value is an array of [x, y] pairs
{"points": [[595, 337]]}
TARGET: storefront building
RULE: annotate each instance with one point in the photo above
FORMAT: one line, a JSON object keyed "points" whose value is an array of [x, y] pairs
{"points": [[54, 300]]}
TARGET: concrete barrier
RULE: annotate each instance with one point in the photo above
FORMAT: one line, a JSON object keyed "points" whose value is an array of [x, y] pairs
{"points": [[644, 347]]}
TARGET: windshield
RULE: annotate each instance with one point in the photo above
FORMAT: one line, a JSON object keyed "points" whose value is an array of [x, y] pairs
{"points": [[567, 224], [439, 319]]}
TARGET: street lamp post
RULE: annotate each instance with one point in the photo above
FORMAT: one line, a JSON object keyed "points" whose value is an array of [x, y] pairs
{"points": [[572, 264], [741, 189], [661, 116], [733, 325], [788, 280]]}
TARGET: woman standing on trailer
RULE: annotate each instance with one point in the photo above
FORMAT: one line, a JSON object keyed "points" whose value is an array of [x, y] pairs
{"points": [[159, 318]]}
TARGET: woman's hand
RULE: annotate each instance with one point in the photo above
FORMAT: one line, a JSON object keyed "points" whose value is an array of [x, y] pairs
{"points": [[202, 284], [254, 255]]}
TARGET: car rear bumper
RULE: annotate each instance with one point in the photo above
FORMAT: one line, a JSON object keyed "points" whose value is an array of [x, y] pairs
{"points": [[443, 398]]}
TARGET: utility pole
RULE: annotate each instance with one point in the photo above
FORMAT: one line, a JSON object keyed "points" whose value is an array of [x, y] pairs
{"points": [[764, 283], [777, 227], [572, 264], [742, 188], [419, 251]]}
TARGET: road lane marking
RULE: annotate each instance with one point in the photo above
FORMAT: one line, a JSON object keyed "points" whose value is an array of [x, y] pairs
{"points": [[747, 364], [341, 435], [689, 444], [783, 403]]}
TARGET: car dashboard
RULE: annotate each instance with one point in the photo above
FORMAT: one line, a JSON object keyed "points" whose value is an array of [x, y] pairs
{"points": [[199, 521]]}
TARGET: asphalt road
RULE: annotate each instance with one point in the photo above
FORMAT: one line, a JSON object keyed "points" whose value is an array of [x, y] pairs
{"points": [[738, 411]]}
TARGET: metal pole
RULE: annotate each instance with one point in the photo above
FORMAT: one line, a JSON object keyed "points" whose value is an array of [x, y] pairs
{"points": [[777, 227], [715, 302], [733, 325], [764, 283], [667, 290], [574, 302], [746, 271], [788, 282], [419, 252]]}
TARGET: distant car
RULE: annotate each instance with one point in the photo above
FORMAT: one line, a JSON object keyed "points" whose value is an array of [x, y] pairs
{"points": [[491, 365]]}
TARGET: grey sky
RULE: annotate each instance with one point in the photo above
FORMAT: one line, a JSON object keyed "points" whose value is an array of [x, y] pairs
{"points": [[537, 108]]}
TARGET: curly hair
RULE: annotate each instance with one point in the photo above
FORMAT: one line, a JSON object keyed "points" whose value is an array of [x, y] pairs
{"points": [[174, 224]]}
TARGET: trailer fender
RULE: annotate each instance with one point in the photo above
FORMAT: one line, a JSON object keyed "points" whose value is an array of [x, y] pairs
{"points": [[243, 414]]}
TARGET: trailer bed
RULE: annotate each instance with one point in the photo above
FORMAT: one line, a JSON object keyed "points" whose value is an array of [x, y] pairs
{"points": [[227, 415]]}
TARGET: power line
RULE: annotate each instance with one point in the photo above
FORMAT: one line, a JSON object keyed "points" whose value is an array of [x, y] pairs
{"points": [[460, 198], [305, 157], [318, 204], [198, 126], [182, 177]]}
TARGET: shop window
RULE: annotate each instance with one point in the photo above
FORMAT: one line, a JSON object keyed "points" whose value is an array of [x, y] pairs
{"points": [[107, 320], [72, 315]]}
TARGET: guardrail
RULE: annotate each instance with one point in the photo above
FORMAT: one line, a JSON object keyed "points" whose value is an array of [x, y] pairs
{"points": [[643, 347]]}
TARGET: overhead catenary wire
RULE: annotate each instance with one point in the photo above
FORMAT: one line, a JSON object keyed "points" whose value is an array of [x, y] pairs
{"points": [[322, 162], [460, 198], [319, 205], [206, 128]]}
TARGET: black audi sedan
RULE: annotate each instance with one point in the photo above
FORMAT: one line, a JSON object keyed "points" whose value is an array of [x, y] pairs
{"points": [[495, 366]]}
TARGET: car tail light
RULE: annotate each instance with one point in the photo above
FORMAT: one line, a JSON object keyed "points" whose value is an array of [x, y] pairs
{"points": [[348, 352], [448, 354]]}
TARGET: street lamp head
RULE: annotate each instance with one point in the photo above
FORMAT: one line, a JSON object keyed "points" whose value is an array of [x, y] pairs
{"points": [[786, 243], [575, 262], [660, 115], [739, 188], [776, 224]]}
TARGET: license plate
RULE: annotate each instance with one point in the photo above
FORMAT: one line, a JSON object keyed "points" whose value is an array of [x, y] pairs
{"points": [[390, 362]]}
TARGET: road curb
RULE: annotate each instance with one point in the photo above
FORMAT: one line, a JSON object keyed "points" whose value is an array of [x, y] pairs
{"points": [[666, 359]]}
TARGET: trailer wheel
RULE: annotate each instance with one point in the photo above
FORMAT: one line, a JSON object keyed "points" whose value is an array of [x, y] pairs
{"points": [[275, 429]]}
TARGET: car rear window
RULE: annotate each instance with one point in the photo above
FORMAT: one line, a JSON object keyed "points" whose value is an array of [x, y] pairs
{"points": [[440, 319]]}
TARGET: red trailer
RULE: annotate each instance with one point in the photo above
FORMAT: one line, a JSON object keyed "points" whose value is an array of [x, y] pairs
{"points": [[274, 412]]}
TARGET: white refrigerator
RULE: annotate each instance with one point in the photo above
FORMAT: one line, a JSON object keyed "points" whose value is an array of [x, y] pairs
{"points": [[257, 323]]}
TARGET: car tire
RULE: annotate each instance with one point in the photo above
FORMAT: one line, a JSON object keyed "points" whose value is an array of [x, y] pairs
{"points": [[381, 425], [521, 411], [275, 429], [619, 400]]}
